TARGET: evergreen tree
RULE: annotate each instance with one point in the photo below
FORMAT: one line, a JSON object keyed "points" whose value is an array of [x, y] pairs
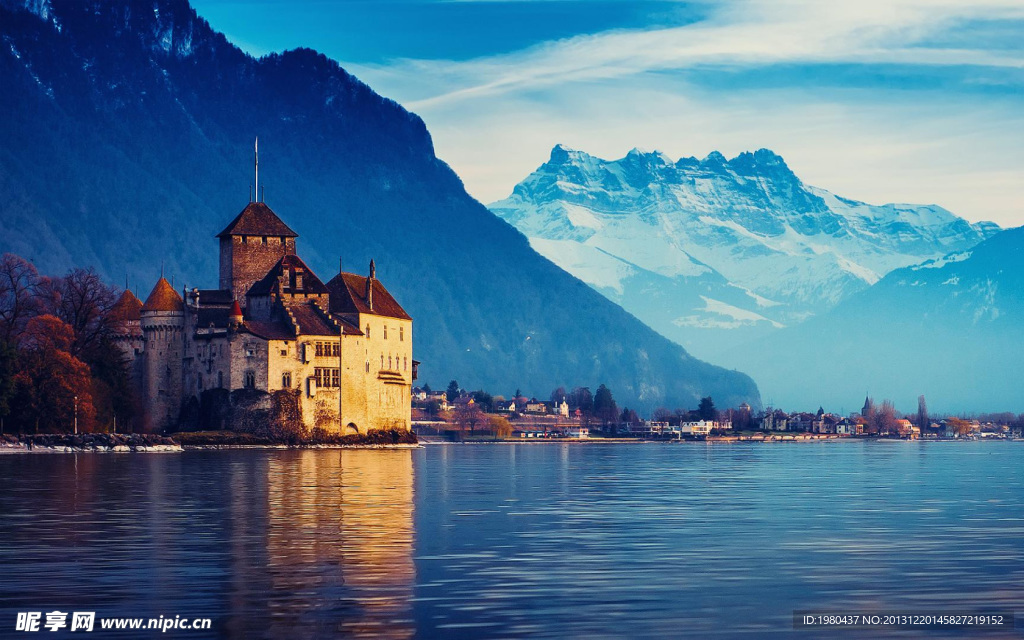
{"points": [[605, 408], [707, 410], [453, 391]]}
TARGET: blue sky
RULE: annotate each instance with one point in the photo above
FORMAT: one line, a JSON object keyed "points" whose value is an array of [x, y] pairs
{"points": [[882, 101]]}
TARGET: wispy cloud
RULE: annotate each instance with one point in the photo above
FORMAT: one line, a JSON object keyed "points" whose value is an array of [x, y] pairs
{"points": [[742, 33]]}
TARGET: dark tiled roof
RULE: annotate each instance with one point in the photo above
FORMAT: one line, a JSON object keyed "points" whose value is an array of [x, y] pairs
{"points": [[257, 220], [163, 297], [127, 308], [270, 330], [310, 283], [348, 295], [216, 316], [311, 321], [215, 297]]}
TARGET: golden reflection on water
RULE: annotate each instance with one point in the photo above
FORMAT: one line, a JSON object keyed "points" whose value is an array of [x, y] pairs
{"points": [[324, 540]]}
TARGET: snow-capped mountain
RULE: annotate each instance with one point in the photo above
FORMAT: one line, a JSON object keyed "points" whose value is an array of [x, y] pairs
{"points": [[949, 329], [714, 252]]}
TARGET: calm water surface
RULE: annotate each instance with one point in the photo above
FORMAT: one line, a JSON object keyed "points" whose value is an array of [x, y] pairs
{"points": [[530, 540]]}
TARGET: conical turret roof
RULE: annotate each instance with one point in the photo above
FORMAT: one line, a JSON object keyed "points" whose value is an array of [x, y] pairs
{"points": [[163, 298], [126, 308]]}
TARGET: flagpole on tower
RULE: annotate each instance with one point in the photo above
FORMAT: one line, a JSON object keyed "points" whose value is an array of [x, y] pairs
{"points": [[256, 151]]}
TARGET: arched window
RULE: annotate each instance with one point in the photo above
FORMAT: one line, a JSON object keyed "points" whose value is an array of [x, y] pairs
{"points": [[250, 379], [286, 380], [401, 334], [405, 363], [367, 366], [389, 363], [367, 330], [382, 361]]}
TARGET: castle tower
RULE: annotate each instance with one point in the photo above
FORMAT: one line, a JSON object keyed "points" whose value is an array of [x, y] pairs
{"points": [[127, 335], [250, 247], [163, 326]]}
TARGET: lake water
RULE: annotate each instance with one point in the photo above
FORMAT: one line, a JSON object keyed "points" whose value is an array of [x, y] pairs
{"points": [[530, 540]]}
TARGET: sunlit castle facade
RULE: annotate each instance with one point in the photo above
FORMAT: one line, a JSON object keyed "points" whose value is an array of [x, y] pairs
{"points": [[342, 349]]}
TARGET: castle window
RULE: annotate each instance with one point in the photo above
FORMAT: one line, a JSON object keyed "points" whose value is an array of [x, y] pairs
{"points": [[284, 352], [389, 363], [401, 334], [382, 361], [367, 331], [286, 380], [367, 366], [250, 379], [385, 332], [326, 378]]}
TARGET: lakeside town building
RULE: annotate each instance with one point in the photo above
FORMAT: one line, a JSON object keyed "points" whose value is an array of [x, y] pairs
{"points": [[341, 350]]}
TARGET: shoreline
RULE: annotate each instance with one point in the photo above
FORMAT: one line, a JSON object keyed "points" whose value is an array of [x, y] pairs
{"points": [[152, 443]]}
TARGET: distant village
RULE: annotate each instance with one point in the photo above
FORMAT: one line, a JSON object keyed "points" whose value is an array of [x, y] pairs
{"points": [[458, 414]]}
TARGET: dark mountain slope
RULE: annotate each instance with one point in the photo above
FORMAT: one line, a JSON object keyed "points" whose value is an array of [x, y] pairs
{"points": [[127, 141]]}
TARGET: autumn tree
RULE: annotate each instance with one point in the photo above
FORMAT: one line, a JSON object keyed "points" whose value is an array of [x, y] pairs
{"points": [[501, 427], [885, 419], [467, 416], [663, 414], [50, 379], [19, 281], [960, 427], [83, 301]]}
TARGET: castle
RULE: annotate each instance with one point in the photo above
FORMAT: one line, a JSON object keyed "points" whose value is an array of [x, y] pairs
{"points": [[342, 350]]}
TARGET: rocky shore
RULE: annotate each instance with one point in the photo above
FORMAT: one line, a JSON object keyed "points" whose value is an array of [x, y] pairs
{"points": [[138, 442], [70, 443]]}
